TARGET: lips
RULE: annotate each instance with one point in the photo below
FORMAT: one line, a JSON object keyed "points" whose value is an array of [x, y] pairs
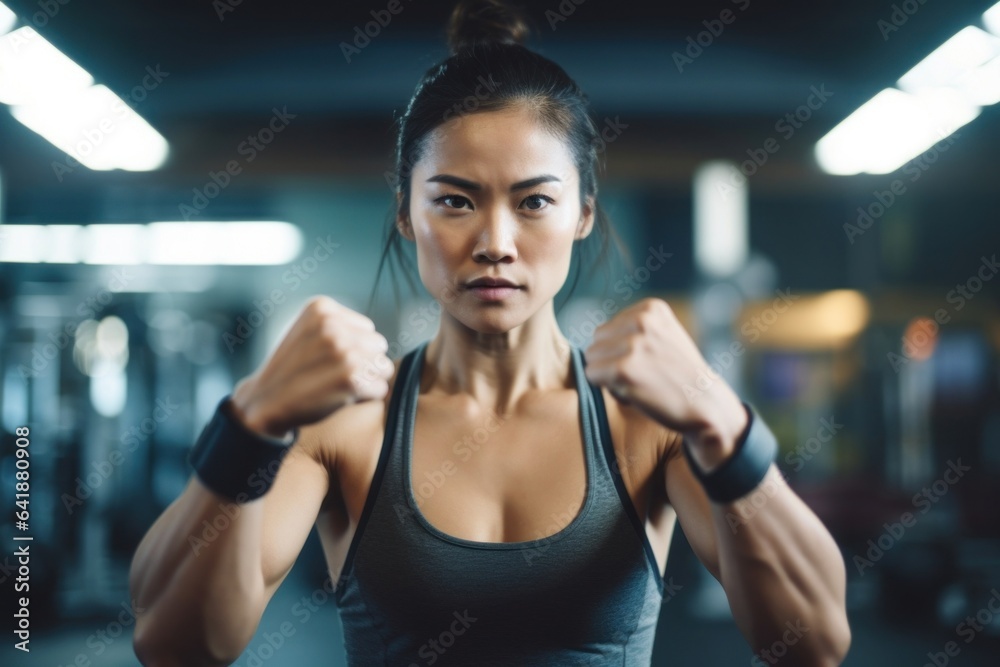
{"points": [[490, 282]]}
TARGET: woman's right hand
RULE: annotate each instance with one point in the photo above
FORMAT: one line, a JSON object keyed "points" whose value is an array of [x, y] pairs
{"points": [[331, 356]]}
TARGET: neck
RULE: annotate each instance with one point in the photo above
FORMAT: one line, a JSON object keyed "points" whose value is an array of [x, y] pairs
{"points": [[497, 370]]}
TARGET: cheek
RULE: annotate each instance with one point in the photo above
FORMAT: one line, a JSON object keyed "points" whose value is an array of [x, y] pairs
{"points": [[548, 249], [437, 250]]}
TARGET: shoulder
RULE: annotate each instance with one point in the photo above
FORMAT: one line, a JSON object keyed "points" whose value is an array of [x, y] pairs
{"points": [[636, 436], [338, 439]]}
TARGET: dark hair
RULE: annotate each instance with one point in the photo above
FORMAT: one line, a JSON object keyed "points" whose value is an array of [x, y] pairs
{"points": [[485, 39]]}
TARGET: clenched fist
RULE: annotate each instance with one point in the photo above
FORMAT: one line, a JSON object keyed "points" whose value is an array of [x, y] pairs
{"points": [[645, 357], [331, 356]]}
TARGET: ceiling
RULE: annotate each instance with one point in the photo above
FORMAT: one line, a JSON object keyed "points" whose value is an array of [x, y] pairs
{"points": [[224, 72]]}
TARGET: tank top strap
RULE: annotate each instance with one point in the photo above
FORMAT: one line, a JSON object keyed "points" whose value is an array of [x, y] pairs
{"points": [[393, 425], [611, 466]]}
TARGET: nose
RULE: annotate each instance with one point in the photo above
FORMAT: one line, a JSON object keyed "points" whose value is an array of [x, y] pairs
{"points": [[496, 237]]}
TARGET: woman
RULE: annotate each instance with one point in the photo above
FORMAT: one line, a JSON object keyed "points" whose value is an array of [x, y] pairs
{"points": [[469, 496]]}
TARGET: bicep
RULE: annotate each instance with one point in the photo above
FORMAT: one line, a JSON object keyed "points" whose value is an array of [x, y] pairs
{"points": [[291, 506], [694, 511]]}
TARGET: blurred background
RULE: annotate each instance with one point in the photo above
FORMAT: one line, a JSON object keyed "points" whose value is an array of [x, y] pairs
{"points": [[176, 179]]}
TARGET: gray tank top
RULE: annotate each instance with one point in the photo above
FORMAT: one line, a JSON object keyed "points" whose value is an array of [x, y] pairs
{"points": [[411, 595]]}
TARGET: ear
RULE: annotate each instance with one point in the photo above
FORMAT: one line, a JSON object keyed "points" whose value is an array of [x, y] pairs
{"points": [[403, 219], [586, 218]]}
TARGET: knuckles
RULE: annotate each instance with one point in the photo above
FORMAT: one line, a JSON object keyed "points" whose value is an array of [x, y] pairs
{"points": [[320, 302], [651, 313]]}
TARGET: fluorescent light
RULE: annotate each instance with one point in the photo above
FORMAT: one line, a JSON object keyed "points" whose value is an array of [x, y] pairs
{"points": [[98, 129], [991, 17], [33, 71], [23, 243], [63, 244], [53, 96], [8, 19], [982, 85], [172, 243], [224, 242], [943, 92], [965, 51], [115, 244], [891, 129], [720, 219]]}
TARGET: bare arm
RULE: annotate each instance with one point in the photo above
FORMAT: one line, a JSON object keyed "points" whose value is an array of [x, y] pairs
{"points": [[781, 569], [206, 569]]}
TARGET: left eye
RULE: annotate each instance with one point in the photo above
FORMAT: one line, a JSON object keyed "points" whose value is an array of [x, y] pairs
{"points": [[541, 200]]}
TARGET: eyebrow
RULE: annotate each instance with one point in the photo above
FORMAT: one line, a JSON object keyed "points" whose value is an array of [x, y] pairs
{"points": [[470, 185]]}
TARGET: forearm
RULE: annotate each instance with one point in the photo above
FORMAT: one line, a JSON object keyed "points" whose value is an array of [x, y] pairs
{"points": [[196, 579], [783, 574]]}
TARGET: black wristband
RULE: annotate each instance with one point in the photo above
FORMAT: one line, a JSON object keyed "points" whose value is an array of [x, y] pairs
{"points": [[746, 466], [234, 461]]}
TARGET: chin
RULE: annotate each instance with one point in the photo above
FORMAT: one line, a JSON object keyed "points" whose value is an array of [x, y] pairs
{"points": [[496, 322]]}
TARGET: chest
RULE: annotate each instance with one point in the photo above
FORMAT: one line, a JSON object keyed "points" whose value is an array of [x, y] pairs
{"points": [[588, 587], [487, 477]]}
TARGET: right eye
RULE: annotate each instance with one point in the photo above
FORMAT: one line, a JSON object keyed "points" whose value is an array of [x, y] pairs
{"points": [[452, 198]]}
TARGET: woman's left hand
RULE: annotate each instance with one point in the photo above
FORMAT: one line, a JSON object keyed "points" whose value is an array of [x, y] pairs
{"points": [[644, 356]]}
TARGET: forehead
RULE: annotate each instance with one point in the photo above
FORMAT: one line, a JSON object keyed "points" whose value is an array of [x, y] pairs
{"points": [[511, 144]]}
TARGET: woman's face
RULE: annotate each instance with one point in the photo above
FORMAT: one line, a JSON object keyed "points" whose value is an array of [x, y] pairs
{"points": [[495, 196]]}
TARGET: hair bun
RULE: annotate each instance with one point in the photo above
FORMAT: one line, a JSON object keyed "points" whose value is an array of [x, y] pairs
{"points": [[478, 21]]}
